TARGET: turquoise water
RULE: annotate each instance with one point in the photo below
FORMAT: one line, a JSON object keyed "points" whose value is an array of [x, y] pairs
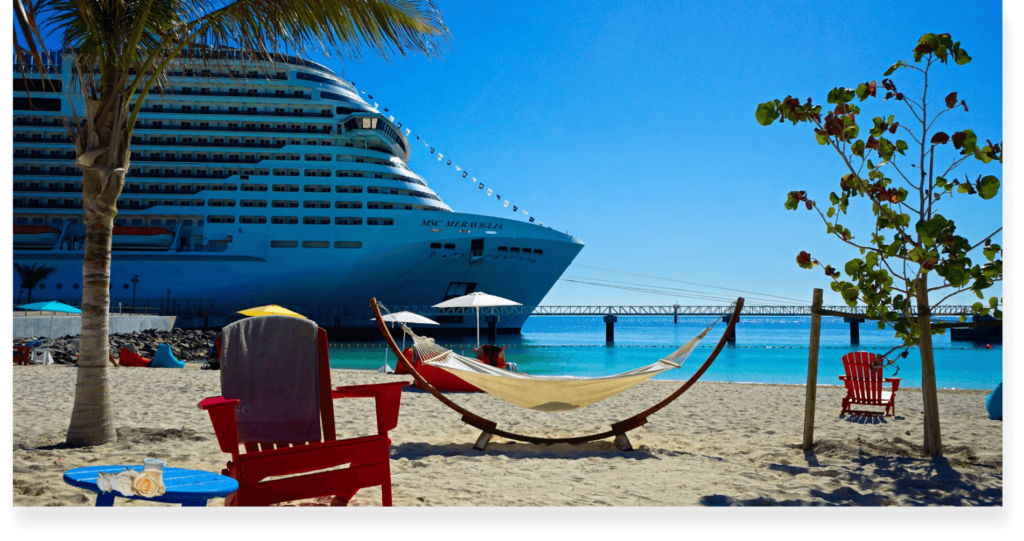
{"points": [[768, 350]]}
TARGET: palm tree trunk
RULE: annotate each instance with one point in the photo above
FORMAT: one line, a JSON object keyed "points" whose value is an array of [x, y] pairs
{"points": [[932, 433], [92, 419]]}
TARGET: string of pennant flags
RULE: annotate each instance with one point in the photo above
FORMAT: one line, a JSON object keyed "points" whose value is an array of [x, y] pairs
{"points": [[458, 169]]}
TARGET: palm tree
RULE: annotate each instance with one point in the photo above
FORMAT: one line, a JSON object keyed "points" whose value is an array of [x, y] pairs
{"points": [[121, 50], [32, 275]]}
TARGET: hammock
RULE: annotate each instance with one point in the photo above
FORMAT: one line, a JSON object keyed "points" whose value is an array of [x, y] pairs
{"points": [[544, 393]]}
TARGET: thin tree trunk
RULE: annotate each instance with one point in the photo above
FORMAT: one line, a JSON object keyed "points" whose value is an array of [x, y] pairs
{"points": [[932, 433], [92, 419]]}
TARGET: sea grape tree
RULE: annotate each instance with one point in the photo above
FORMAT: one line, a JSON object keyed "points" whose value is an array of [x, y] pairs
{"points": [[914, 253]]}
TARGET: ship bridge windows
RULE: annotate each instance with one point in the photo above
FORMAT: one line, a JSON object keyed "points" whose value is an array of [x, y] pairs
{"points": [[348, 221], [348, 189], [286, 187], [317, 188], [252, 219], [253, 203], [316, 204], [316, 220], [284, 220], [286, 204], [348, 205]]}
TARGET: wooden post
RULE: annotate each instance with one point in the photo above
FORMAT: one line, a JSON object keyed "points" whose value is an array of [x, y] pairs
{"points": [[932, 434], [812, 370]]}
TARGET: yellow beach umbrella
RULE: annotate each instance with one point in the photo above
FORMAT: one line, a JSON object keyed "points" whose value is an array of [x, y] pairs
{"points": [[269, 310]]}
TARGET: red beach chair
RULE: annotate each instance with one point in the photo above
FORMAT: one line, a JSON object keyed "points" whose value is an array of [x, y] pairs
{"points": [[257, 382], [864, 384], [22, 354]]}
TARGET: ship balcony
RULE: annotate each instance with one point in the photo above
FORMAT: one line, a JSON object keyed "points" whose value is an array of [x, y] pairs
{"points": [[254, 129], [198, 93], [193, 112], [206, 144], [197, 160]]}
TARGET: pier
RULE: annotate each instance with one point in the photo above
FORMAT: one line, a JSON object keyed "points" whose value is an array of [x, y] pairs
{"points": [[855, 316]]}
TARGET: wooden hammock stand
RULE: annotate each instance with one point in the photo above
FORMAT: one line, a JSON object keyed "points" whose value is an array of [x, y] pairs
{"points": [[618, 430]]}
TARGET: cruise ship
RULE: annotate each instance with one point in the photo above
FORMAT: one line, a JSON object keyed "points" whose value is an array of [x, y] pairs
{"points": [[255, 182]]}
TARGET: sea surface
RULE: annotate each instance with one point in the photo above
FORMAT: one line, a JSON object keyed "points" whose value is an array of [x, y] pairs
{"points": [[767, 350]]}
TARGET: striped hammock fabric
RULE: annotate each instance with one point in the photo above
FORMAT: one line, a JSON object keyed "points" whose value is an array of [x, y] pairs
{"points": [[544, 393]]}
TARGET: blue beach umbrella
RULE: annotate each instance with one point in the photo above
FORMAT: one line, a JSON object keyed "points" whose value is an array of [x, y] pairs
{"points": [[52, 307]]}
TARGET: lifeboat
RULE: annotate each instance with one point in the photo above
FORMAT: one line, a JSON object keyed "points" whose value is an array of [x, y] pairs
{"points": [[142, 238], [446, 382], [35, 236]]}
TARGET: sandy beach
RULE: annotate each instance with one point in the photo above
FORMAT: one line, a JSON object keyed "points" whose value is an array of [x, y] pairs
{"points": [[719, 444]]}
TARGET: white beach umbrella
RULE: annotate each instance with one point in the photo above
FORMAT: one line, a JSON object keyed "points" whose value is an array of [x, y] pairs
{"points": [[477, 299], [408, 318]]}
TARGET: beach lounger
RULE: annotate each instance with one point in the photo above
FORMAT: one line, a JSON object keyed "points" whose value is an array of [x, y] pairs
{"points": [[864, 384], [277, 403], [165, 358], [128, 358]]}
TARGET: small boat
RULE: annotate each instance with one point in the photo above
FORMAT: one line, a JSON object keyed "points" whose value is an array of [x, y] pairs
{"points": [[35, 236], [142, 238], [446, 382]]}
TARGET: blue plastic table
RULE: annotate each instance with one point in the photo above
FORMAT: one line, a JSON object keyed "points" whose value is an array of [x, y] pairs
{"points": [[190, 488]]}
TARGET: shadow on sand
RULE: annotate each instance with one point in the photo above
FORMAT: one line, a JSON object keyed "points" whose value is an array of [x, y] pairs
{"points": [[596, 449]]}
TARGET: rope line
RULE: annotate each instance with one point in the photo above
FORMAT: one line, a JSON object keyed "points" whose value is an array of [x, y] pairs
{"points": [[685, 282]]}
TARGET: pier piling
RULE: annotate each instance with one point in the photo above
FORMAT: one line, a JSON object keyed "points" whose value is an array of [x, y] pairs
{"points": [[854, 329], [492, 329], [732, 336], [609, 328]]}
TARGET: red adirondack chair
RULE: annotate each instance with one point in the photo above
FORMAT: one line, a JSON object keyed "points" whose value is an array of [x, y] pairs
{"points": [[22, 354], [864, 384], [368, 457]]}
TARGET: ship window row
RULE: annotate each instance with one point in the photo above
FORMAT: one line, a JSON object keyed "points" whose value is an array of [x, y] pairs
{"points": [[38, 137], [257, 91], [232, 126], [233, 74], [245, 110], [317, 220], [315, 244], [517, 250], [172, 140]]}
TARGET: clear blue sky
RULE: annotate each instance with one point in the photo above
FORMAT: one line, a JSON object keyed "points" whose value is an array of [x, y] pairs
{"points": [[631, 125]]}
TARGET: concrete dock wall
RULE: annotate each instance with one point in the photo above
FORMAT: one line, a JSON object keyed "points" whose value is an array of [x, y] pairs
{"points": [[25, 326]]}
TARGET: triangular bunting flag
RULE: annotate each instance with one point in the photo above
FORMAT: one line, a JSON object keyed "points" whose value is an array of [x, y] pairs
{"points": [[531, 219], [374, 103], [525, 213], [457, 168], [499, 197], [364, 92], [418, 138], [515, 208], [408, 132], [464, 174], [385, 109], [431, 150], [489, 191], [369, 96], [399, 124], [481, 185], [506, 203], [391, 118]]}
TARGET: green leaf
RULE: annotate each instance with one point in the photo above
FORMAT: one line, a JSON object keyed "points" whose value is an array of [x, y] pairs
{"points": [[871, 259], [766, 113], [962, 57], [853, 266], [858, 148], [993, 302], [821, 138], [988, 187], [901, 146], [893, 68], [833, 198], [831, 212], [991, 251]]}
